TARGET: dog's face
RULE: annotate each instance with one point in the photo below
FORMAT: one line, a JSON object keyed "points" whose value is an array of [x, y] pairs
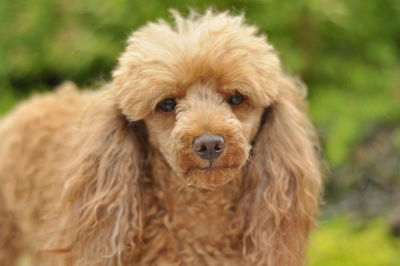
{"points": [[201, 90], [205, 133]]}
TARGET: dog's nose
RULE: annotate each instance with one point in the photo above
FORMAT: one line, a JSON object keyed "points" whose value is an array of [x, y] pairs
{"points": [[209, 146]]}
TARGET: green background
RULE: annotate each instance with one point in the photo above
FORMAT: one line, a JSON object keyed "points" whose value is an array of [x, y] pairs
{"points": [[347, 52]]}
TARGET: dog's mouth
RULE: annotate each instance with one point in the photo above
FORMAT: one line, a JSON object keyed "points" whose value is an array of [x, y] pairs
{"points": [[211, 176], [211, 168]]}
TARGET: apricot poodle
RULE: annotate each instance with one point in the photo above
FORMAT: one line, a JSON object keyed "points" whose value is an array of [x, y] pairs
{"points": [[198, 152]]}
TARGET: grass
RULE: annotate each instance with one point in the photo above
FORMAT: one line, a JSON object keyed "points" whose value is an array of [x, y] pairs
{"points": [[341, 241]]}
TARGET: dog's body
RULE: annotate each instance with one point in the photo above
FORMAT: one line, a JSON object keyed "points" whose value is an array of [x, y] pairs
{"points": [[115, 177]]}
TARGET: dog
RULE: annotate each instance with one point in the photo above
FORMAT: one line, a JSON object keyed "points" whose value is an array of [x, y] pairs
{"points": [[198, 152]]}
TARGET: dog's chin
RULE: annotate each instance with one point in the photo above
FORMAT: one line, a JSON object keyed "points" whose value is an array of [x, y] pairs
{"points": [[211, 177]]}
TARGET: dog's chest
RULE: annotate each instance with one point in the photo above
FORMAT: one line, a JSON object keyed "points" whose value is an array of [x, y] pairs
{"points": [[191, 230]]}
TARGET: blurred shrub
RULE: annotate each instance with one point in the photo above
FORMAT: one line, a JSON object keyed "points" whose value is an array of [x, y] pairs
{"points": [[341, 243]]}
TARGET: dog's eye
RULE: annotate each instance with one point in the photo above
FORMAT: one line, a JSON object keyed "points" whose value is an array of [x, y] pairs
{"points": [[236, 99], [167, 105]]}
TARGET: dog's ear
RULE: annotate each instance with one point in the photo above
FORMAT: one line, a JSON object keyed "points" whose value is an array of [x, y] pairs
{"points": [[283, 186], [101, 210]]}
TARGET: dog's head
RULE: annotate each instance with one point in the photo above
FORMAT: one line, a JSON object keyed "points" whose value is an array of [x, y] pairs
{"points": [[201, 87]]}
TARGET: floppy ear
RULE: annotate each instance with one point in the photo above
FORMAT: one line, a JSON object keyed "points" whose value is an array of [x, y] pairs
{"points": [[283, 186], [101, 210]]}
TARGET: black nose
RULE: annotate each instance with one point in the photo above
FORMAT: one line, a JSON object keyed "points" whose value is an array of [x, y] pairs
{"points": [[209, 146]]}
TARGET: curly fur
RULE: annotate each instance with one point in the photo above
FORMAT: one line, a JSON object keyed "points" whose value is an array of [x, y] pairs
{"points": [[106, 178]]}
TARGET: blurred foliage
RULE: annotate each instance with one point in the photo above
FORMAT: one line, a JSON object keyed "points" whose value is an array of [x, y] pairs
{"points": [[342, 243]]}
